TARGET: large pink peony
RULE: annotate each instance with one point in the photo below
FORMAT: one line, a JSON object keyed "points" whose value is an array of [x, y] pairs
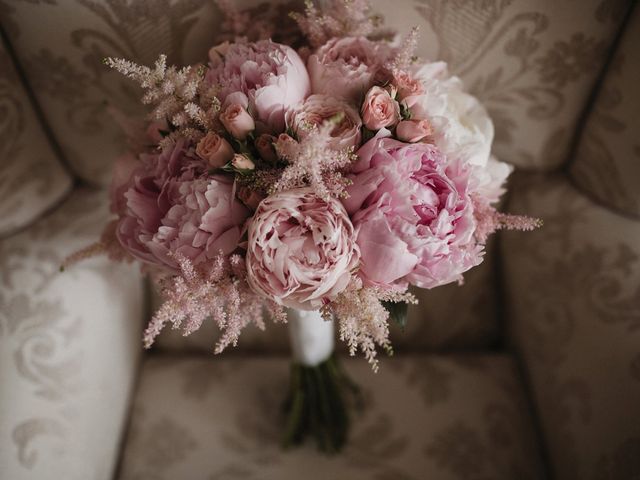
{"points": [[346, 67], [272, 76], [413, 215], [170, 205], [317, 109], [301, 250]]}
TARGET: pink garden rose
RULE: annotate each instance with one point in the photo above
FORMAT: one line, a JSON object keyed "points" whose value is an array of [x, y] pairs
{"points": [[412, 131], [215, 150], [237, 121], [171, 206], [272, 76], [301, 250], [346, 67], [379, 110], [316, 109], [413, 215]]}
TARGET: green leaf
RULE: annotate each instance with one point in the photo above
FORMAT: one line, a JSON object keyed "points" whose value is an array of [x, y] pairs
{"points": [[397, 312]]}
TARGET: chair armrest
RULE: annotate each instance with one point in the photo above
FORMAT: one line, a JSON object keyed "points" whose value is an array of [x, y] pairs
{"points": [[573, 306], [69, 348]]}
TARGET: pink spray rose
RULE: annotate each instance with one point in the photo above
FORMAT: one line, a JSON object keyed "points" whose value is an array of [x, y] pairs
{"points": [[264, 145], [272, 76], [316, 109], [346, 67], [215, 150], [301, 250], [406, 85], [171, 206], [237, 121], [412, 131], [413, 215], [379, 110]]}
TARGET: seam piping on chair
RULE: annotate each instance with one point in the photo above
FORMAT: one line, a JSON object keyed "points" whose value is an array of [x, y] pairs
{"points": [[35, 105], [595, 90]]}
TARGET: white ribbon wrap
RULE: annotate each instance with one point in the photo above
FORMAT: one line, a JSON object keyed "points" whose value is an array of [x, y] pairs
{"points": [[312, 337]]}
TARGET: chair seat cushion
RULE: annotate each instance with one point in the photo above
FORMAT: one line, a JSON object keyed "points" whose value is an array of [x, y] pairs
{"points": [[425, 416]]}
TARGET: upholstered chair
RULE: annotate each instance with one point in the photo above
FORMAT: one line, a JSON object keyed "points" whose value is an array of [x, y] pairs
{"points": [[530, 370]]}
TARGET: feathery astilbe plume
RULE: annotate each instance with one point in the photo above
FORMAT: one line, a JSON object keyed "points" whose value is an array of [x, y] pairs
{"points": [[489, 220], [336, 18], [313, 163], [216, 290], [180, 96], [405, 55], [363, 321], [107, 245]]}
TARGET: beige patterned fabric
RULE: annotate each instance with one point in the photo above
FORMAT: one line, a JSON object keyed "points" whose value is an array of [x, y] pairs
{"points": [[31, 177], [607, 164], [573, 294], [532, 63], [441, 417], [69, 344]]}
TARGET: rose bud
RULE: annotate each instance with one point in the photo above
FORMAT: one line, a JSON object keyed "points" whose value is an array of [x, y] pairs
{"points": [[413, 131], [242, 162], [237, 121], [264, 145], [285, 146], [215, 150], [379, 110]]}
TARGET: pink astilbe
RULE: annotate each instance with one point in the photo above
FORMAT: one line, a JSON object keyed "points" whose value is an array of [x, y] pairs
{"points": [[336, 18], [405, 55], [362, 319], [312, 162], [107, 245], [180, 95], [217, 290], [489, 220]]}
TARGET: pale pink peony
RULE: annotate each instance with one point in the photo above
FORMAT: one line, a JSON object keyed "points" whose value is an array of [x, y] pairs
{"points": [[346, 67], [317, 109], [412, 131], [413, 215], [237, 121], [272, 76], [172, 207], [301, 250], [379, 110], [215, 150]]}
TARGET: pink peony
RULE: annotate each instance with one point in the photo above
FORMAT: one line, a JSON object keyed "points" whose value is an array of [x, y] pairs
{"points": [[301, 250], [215, 150], [272, 76], [173, 207], [346, 67], [413, 215], [316, 109], [379, 110]]}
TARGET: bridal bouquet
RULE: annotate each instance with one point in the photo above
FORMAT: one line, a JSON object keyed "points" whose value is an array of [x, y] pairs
{"points": [[312, 182]]}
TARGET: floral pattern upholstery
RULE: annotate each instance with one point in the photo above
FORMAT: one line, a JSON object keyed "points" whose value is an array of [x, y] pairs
{"points": [[32, 179], [567, 295], [573, 302], [63, 407], [417, 422], [607, 164]]}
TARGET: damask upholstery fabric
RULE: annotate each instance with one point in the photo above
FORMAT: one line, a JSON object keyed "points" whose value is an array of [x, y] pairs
{"points": [[441, 417], [607, 164], [32, 179], [69, 346], [449, 317], [573, 302], [532, 63]]}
